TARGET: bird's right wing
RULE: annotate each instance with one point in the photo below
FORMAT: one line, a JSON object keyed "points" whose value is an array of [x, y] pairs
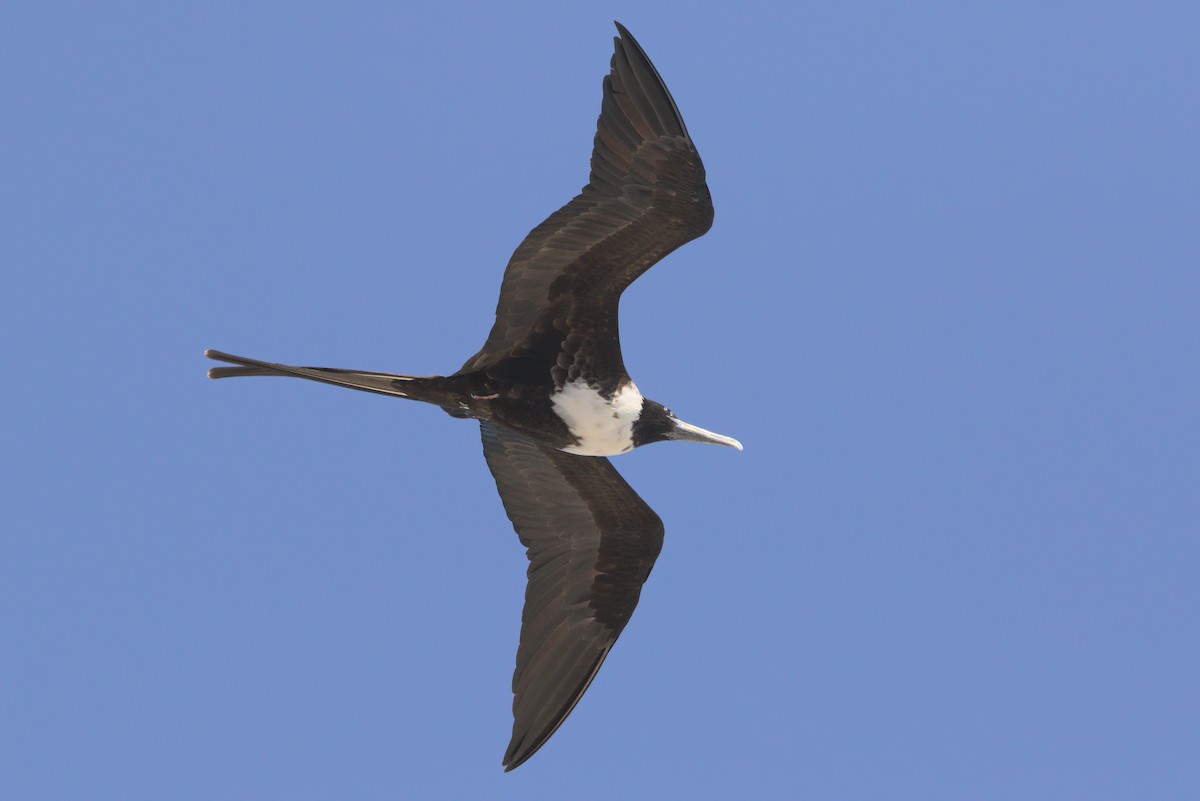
{"points": [[646, 196], [591, 544]]}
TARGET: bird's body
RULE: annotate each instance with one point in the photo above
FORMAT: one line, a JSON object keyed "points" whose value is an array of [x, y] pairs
{"points": [[599, 425], [551, 393]]}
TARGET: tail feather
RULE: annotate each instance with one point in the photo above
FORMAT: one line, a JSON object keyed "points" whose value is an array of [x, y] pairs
{"points": [[232, 372], [381, 383]]}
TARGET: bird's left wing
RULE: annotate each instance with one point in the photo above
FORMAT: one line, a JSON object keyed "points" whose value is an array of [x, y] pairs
{"points": [[591, 543]]}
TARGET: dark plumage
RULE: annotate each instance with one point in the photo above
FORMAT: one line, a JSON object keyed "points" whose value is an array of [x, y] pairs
{"points": [[645, 197], [591, 543], [553, 398]]}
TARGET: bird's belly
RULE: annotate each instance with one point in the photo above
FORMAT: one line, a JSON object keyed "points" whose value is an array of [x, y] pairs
{"points": [[601, 426]]}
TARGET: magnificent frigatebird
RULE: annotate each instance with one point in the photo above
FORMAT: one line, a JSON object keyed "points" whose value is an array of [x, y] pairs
{"points": [[552, 397]]}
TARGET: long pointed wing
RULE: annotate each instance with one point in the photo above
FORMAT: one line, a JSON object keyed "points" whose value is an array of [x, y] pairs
{"points": [[591, 543], [646, 196]]}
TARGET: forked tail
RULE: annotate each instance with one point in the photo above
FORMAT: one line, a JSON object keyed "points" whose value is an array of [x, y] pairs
{"points": [[381, 383]]}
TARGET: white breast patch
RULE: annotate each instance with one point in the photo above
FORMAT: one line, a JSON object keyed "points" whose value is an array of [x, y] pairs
{"points": [[603, 427]]}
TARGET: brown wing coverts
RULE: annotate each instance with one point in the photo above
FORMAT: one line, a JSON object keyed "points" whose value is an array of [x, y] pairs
{"points": [[591, 542], [645, 197]]}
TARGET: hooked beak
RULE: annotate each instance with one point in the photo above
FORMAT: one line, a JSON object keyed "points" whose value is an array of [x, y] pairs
{"points": [[691, 433]]}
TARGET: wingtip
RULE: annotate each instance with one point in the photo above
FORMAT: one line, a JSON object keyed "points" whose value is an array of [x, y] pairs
{"points": [[519, 752], [625, 35], [511, 761]]}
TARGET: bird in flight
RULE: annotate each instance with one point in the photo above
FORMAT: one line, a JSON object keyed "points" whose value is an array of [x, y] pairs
{"points": [[553, 398]]}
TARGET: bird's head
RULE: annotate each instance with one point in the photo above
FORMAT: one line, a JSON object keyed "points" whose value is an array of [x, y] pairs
{"points": [[657, 423]]}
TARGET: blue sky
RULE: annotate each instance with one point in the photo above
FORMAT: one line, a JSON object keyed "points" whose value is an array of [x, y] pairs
{"points": [[950, 305]]}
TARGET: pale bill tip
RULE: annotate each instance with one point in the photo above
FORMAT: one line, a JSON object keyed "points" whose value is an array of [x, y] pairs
{"points": [[687, 431]]}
